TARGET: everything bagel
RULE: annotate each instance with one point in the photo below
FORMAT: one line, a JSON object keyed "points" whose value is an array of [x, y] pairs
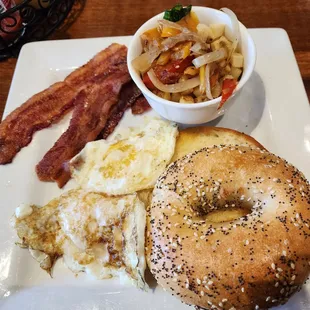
{"points": [[254, 262]]}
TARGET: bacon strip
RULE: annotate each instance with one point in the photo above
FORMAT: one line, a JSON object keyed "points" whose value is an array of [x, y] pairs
{"points": [[48, 106], [99, 67], [140, 106], [129, 94], [38, 112], [89, 117]]}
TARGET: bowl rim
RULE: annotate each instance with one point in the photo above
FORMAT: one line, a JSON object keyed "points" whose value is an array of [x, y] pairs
{"points": [[197, 105]]}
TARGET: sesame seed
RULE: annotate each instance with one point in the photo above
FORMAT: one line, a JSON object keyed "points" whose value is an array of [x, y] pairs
{"points": [[256, 307], [273, 266], [277, 284], [198, 281], [220, 304], [202, 293], [280, 269], [224, 300], [246, 242], [292, 265], [284, 253], [210, 282], [268, 298], [242, 289], [293, 277]]}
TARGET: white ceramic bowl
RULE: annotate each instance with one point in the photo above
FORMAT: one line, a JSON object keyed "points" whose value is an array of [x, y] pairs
{"points": [[197, 113]]}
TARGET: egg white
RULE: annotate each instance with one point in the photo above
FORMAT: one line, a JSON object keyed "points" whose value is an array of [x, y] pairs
{"points": [[128, 165], [84, 227]]}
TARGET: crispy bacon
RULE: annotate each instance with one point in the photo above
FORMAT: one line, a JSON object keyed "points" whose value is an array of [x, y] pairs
{"points": [[128, 95], [38, 112], [89, 117], [102, 65], [140, 106], [48, 106]]}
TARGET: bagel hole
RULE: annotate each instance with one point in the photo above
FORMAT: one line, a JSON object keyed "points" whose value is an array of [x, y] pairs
{"points": [[228, 215], [229, 210]]}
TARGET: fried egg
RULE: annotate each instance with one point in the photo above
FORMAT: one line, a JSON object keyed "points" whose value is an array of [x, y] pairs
{"points": [[102, 236], [128, 165]]}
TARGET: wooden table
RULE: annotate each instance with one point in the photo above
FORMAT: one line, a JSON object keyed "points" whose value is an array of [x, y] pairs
{"points": [[101, 18]]}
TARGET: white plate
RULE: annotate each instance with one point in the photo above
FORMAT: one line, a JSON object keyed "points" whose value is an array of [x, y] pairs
{"points": [[272, 107]]}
